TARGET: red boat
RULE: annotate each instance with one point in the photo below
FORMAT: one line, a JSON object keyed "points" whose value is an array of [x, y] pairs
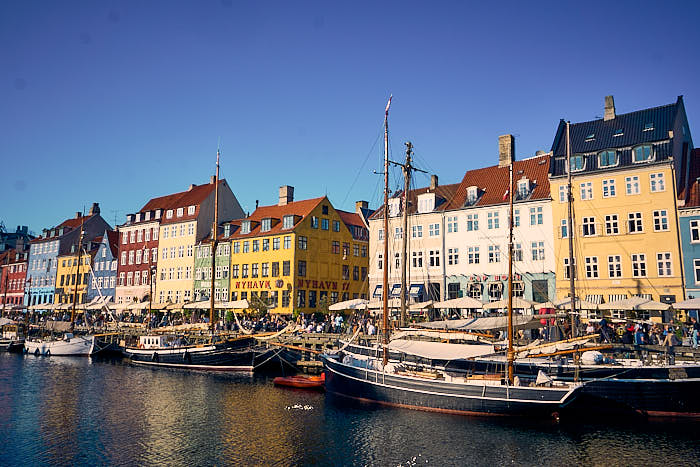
{"points": [[303, 382]]}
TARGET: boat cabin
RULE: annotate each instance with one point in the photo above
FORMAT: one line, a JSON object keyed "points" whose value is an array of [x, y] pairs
{"points": [[152, 342], [11, 331]]}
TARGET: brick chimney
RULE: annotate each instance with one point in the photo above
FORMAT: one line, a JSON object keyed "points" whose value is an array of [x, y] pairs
{"points": [[95, 209], [286, 195], [77, 214], [433, 182], [506, 150], [609, 108], [360, 206]]}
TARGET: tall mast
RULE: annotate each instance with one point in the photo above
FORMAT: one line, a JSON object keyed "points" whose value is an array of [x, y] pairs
{"points": [[385, 279], [404, 255], [77, 274], [510, 356], [570, 224], [215, 241], [6, 271]]}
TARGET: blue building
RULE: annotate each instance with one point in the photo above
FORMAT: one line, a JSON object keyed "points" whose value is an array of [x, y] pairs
{"points": [[60, 240], [104, 267], [689, 219]]}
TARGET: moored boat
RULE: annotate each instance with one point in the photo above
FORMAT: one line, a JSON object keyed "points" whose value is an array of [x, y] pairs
{"points": [[68, 345], [301, 382]]}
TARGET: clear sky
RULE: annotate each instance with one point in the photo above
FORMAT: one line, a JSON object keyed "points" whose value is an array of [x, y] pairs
{"points": [[119, 101]]}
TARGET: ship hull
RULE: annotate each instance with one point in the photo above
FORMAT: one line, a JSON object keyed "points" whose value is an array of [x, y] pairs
{"points": [[76, 346]]}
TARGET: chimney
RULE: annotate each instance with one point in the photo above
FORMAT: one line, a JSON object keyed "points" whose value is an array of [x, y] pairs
{"points": [[360, 206], [211, 179], [77, 214], [95, 209], [286, 195], [609, 108], [433, 182], [506, 150], [257, 203]]}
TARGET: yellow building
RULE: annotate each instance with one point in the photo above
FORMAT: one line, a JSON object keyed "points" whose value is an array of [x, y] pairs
{"points": [[186, 221], [625, 230], [69, 276], [299, 255]]}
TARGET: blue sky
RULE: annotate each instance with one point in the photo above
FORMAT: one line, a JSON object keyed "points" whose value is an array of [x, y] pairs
{"points": [[119, 101]]}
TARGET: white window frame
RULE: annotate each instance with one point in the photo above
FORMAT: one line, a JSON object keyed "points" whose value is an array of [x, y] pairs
{"points": [[612, 224], [632, 187], [614, 266], [660, 217], [657, 182], [664, 264], [586, 191], [591, 263], [608, 188], [639, 265]]}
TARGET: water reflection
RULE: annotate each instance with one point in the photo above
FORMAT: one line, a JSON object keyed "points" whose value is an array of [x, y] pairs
{"points": [[74, 411]]}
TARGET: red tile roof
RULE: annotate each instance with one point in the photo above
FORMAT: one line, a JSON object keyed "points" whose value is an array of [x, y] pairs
{"points": [[444, 193], [493, 182], [297, 208], [350, 218], [113, 239], [183, 199]]}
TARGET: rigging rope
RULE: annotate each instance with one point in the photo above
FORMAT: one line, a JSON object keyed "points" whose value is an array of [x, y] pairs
{"points": [[332, 352]]}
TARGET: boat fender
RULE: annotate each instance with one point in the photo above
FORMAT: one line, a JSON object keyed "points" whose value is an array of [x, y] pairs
{"points": [[154, 358], [48, 353]]}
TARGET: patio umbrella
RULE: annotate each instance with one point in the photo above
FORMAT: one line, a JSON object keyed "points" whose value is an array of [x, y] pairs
{"points": [[462, 302], [690, 304], [518, 302], [354, 304], [579, 304], [634, 304]]}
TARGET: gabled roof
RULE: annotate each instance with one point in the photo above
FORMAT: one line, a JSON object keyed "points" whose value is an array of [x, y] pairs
{"points": [[350, 218], [113, 239], [69, 225], [183, 199], [492, 182], [693, 190], [297, 208], [444, 195], [632, 125]]}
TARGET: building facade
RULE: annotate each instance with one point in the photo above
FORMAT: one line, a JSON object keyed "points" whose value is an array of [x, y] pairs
{"points": [[13, 277], [202, 266], [73, 276], [103, 274], [626, 170], [689, 219], [299, 256]]}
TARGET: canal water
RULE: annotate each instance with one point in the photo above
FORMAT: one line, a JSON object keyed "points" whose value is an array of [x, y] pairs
{"points": [[78, 411]]}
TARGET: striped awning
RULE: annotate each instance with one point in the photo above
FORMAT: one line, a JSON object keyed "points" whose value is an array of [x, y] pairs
{"points": [[595, 298], [616, 297]]}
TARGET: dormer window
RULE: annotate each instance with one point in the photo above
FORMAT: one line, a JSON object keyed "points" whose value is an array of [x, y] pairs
{"points": [[227, 230], [426, 202], [288, 222], [394, 207], [607, 158], [590, 137], [649, 126], [190, 210], [169, 214], [158, 213], [138, 217], [642, 153], [472, 195], [245, 227], [180, 212], [577, 163], [523, 188], [266, 225], [147, 215], [618, 132]]}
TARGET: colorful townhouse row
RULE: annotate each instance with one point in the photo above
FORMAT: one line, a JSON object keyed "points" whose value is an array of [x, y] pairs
{"points": [[635, 232]]}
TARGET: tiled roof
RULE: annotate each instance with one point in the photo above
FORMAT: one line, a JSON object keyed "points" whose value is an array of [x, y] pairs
{"points": [[492, 182], [68, 225], [297, 208], [693, 195], [444, 195], [113, 239], [350, 218], [183, 199]]}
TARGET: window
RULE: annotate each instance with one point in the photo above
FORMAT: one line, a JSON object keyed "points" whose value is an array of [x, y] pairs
{"points": [[577, 163], [380, 262], [696, 267], [517, 252], [639, 265], [125, 238], [355, 249], [121, 278], [265, 270], [453, 256], [147, 235], [398, 233], [663, 264], [254, 270], [287, 244], [314, 222], [417, 231], [516, 217], [523, 189], [123, 258], [452, 224], [266, 244], [380, 235], [657, 182], [363, 251], [536, 216], [417, 259], [346, 272], [611, 225], [589, 227], [660, 220], [563, 190], [356, 273], [190, 210], [642, 153], [537, 251], [591, 267], [286, 268], [434, 258], [164, 253], [180, 212], [607, 158], [287, 222], [131, 257], [155, 233], [335, 247], [649, 126], [336, 226], [494, 254], [276, 243], [302, 269], [632, 185], [266, 225], [244, 270], [434, 230], [173, 231], [132, 236], [472, 195], [245, 227], [634, 222], [145, 255], [256, 245], [472, 222], [181, 251], [695, 231], [138, 256], [275, 269], [324, 224], [586, 191], [492, 220], [397, 260], [567, 270], [564, 229], [139, 235], [473, 255], [165, 232], [608, 188]]}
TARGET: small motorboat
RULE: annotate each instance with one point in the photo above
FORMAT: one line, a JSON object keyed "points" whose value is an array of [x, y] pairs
{"points": [[301, 382]]}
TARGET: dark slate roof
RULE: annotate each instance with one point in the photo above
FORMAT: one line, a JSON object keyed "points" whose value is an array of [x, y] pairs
{"points": [[692, 193], [632, 125]]}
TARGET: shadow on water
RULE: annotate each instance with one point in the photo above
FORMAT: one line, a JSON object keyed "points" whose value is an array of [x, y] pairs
{"points": [[67, 411]]}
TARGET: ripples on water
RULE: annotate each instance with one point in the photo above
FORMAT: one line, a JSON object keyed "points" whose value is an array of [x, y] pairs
{"points": [[75, 411]]}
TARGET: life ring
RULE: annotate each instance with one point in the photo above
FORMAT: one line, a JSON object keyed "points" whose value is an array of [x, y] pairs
{"points": [[154, 358]]}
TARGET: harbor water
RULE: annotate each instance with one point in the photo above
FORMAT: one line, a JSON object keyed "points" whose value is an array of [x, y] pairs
{"points": [[80, 411]]}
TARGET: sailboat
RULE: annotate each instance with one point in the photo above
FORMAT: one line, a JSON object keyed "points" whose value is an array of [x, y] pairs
{"points": [[417, 377], [69, 344], [212, 352]]}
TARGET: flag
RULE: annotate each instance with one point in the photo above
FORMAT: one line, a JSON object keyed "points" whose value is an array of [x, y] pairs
{"points": [[505, 195], [388, 104]]}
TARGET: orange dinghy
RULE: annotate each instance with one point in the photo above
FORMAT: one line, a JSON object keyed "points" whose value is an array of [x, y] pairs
{"points": [[302, 382]]}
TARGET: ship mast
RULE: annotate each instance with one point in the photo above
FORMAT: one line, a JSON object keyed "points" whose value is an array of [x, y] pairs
{"points": [[77, 274], [404, 250], [570, 224], [510, 355], [385, 278], [215, 240]]}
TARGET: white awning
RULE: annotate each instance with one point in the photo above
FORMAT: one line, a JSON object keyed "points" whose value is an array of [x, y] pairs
{"points": [[440, 350], [518, 302], [462, 302], [690, 304], [565, 303], [635, 303], [354, 304]]}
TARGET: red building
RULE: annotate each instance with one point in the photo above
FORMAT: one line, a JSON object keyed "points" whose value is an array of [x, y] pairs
{"points": [[13, 277]]}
